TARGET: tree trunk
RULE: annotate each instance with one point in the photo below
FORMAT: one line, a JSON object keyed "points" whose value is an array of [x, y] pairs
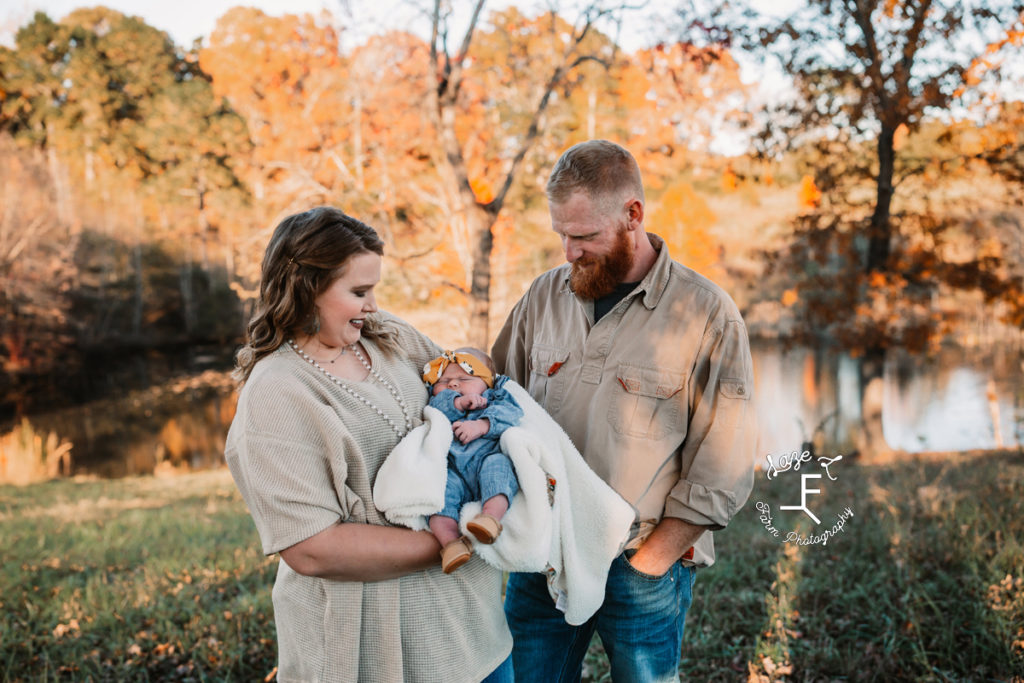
{"points": [[60, 181], [204, 220], [481, 225], [139, 299], [871, 443], [881, 225]]}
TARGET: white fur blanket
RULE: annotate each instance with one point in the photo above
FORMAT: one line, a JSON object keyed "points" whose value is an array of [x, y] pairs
{"points": [[572, 535]]}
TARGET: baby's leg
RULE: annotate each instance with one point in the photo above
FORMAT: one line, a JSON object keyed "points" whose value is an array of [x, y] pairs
{"points": [[498, 484], [445, 529], [455, 550], [496, 506], [497, 487]]}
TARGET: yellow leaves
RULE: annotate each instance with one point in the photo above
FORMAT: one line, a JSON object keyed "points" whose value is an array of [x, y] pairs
{"points": [[775, 670], [62, 630], [789, 298]]}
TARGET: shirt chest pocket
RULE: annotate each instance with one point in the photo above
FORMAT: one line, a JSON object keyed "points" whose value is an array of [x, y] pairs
{"points": [[545, 383], [646, 402]]}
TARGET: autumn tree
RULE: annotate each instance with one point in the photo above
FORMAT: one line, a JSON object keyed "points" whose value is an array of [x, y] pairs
{"points": [[481, 185], [126, 124], [862, 70], [287, 78]]}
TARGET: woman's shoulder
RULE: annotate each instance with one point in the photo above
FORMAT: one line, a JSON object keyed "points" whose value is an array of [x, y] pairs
{"points": [[417, 346], [272, 377], [400, 326]]}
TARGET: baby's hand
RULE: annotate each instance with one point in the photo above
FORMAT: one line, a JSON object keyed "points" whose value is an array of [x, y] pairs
{"points": [[468, 430], [470, 402]]}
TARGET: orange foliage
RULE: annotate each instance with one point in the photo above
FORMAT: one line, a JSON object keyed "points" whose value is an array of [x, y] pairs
{"points": [[990, 59], [674, 95], [900, 137], [447, 267], [810, 195], [482, 190], [285, 77], [683, 219], [729, 180]]}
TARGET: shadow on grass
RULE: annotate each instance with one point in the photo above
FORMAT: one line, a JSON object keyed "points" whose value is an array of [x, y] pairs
{"points": [[924, 583], [177, 591]]}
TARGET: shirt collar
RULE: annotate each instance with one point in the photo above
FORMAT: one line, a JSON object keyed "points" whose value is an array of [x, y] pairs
{"points": [[654, 283]]}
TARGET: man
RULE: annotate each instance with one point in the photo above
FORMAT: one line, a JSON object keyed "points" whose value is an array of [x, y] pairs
{"points": [[646, 365]]}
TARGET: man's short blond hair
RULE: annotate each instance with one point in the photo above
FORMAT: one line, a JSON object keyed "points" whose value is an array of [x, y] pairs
{"points": [[602, 169]]}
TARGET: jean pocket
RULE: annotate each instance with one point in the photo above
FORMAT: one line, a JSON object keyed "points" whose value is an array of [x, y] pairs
{"points": [[649, 578]]}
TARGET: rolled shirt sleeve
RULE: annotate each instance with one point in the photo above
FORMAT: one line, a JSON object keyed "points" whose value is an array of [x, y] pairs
{"points": [[717, 456]]}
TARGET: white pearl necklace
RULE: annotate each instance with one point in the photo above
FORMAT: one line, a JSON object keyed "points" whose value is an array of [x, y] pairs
{"points": [[376, 375]]}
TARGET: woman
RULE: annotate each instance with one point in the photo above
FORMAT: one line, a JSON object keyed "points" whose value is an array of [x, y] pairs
{"points": [[329, 387]]}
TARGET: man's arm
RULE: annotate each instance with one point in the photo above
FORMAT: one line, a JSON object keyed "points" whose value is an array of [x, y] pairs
{"points": [[670, 539], [718, 454], [510, 352]]}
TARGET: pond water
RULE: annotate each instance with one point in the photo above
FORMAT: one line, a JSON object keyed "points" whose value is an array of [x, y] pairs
{"points": [[952, 400]]}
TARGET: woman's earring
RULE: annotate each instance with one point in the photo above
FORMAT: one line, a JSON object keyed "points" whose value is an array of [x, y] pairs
{"points": [[313, 326]]}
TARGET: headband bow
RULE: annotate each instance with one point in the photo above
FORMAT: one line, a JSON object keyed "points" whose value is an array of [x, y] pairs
{"points": [[433, 370]]}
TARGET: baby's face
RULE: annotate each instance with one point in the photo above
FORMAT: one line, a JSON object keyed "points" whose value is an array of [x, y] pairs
{"points": [[457, 379]]}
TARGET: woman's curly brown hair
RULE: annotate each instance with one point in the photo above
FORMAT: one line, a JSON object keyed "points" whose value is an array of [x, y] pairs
{"points": [[307, 252]]}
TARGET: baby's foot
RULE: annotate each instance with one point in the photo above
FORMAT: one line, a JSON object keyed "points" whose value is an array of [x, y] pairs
{"points": [[456, 554], [485, 528]]}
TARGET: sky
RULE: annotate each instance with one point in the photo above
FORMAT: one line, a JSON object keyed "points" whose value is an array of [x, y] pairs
{"points": [[184, 20], [187, 20]]}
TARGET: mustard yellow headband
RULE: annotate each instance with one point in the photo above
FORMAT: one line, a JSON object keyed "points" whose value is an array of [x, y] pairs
{"points": [[433, 370]]}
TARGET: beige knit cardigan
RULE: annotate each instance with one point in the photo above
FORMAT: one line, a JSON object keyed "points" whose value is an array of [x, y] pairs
{"points": [[304, 454]]}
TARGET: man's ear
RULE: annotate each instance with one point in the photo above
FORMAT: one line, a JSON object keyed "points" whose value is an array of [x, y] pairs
{"points": [[634, 213]]}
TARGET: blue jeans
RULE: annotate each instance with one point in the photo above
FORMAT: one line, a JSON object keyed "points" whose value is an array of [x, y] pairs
{"points": [[495, 475], [503, 674], [640, 624]]}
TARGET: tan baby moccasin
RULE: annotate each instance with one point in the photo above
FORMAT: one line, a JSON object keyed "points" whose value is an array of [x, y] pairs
{"points": [[456, 554], [485, 527]]}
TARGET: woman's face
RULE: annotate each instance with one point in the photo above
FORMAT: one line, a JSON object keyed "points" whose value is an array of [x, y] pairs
{"points": [[343, 306]]}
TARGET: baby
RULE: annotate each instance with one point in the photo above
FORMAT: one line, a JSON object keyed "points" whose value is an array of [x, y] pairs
{"points": [[464, 387]]}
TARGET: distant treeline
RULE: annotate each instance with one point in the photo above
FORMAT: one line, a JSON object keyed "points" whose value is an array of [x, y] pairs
{"points": [[141, 179]]}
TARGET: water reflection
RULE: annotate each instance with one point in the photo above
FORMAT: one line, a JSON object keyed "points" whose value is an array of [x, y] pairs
{"points": [[180, 425], [949, 401]]}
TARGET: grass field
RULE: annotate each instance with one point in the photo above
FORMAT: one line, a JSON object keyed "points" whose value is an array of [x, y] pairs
{"points": [[161, 579]]}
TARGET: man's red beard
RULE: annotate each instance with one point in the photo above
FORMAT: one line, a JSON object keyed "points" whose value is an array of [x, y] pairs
{"points": [[593, 277]]}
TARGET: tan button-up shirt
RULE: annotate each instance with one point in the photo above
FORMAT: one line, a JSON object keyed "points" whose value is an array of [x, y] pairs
{"points": [[656, 395]]}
